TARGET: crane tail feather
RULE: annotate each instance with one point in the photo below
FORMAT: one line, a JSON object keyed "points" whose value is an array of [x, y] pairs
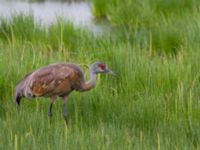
{"points": [[17, 99]]}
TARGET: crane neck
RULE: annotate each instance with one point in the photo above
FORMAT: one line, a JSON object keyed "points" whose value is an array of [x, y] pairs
{"points": [[91, 83], [92, 76]]}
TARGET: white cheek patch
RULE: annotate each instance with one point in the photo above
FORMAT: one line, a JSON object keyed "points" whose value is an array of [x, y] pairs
{"points": [[100, 69]]}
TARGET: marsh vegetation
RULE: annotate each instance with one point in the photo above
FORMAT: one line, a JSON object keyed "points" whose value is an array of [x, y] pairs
{"points": [[153, 46]]}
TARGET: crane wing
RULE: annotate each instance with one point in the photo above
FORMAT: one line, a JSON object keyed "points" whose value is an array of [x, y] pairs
{"points": [[46, 81]]}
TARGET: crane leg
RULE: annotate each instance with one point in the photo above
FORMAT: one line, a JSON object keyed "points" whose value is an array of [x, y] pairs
{"points": [[65, 115], [53, 98]]}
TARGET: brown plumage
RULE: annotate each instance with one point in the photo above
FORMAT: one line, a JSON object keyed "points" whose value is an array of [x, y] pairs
{"points": [[57, 80]]}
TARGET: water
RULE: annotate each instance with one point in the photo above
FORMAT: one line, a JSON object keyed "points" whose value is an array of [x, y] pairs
{"points": [[47, 12]]}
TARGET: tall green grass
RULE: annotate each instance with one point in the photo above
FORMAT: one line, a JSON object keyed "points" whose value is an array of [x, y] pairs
{"points": [[164, 22], [152, 104]]}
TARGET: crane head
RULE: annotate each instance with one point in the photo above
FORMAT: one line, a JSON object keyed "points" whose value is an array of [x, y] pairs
{"points": [[99, 67]]}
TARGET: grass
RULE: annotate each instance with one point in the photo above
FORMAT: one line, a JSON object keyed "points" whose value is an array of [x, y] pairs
{"points": [[152, 104], [154, 17]]}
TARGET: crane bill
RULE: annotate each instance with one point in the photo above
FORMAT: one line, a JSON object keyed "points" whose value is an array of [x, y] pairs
{"points": [[108, 71]]}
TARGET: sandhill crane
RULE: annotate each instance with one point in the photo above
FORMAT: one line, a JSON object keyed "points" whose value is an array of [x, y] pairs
{"points": [[57, 80]]}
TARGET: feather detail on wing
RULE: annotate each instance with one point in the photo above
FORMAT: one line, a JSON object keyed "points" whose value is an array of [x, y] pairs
{"points": [[50, 81]]}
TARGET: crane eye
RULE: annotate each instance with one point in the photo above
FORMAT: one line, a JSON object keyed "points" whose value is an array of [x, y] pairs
{"points": [[102, 66]]}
